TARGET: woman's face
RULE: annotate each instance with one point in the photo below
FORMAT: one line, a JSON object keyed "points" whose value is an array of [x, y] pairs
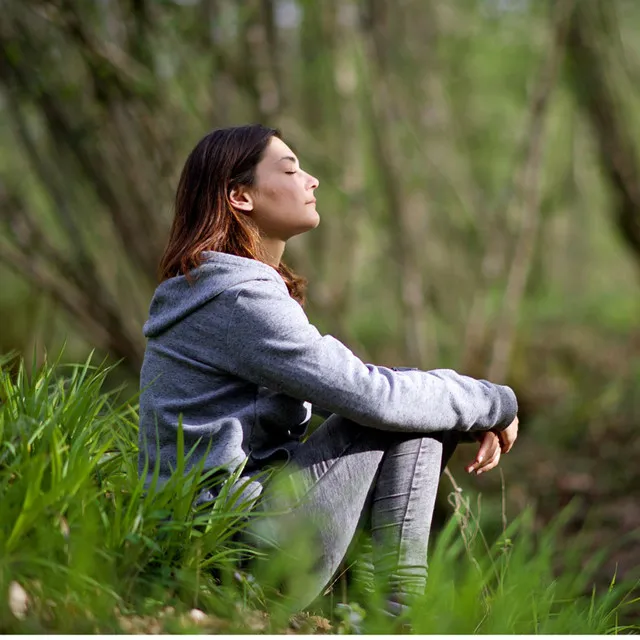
{"points": [[281, 201]]}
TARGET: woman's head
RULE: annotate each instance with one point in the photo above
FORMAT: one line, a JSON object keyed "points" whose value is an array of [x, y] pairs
{"points": [[278, 197], [240, 189]]}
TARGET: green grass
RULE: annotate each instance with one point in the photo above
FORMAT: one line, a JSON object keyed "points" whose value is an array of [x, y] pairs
{"points": [[84, 549]]}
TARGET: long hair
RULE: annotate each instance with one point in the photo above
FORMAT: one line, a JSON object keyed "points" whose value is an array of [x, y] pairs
{"points": [[205, 219]]}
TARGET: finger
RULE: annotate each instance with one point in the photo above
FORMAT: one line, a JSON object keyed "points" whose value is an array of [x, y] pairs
{"points": [[470, 468], [490, 465], [492, 449], [487, 451], [505, 443], [507, 446], [483, 453], [488, 446], [490, 458]]}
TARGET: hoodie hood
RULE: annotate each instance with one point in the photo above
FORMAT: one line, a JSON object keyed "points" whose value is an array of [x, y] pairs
{"points": [[175, 298]]}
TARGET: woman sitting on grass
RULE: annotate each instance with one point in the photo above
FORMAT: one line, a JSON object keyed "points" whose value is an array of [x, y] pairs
{"points": [[232, 355]]}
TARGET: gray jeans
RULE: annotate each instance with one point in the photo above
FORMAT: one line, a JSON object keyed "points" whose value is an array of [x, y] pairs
{"points": [[344, 475]]}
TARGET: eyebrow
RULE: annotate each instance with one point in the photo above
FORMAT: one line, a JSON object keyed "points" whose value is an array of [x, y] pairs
{"points": [[288, 158]]}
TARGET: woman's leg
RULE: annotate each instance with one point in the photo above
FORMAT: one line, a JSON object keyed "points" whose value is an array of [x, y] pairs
{"points": [[334, 480], [313, 507], [401, 513]]}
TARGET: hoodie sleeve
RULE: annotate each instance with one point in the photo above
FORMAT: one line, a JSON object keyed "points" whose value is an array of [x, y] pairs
{"points": [[271, 342]]}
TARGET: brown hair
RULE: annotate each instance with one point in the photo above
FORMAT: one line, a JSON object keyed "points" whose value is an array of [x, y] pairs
{"points": [[205, 219]]}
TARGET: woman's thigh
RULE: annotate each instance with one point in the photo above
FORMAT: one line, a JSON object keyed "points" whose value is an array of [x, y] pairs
{"points": [[313, 506], [331, 475]]}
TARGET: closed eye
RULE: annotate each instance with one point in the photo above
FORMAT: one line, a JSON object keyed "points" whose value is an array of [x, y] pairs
{"points": [[291, 173]]}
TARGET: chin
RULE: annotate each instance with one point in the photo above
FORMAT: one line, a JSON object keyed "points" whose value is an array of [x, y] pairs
{"points": [[311, 222], [307, 226]]}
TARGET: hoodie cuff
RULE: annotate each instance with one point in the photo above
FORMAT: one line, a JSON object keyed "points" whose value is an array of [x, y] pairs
{"points": [[508, 405]]}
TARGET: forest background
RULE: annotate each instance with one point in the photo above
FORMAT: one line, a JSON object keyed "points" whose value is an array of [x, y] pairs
{"points": [[479, 163]]}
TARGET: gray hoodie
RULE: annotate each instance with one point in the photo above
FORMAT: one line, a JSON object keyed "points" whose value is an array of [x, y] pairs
{"points": [[236, 357]]}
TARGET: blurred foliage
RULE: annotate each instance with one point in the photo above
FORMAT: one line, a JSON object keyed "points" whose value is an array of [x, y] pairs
{"points": [[479, 197], [84, 549]]}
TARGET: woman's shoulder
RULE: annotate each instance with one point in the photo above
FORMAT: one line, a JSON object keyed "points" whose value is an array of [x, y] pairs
{"points": [[228, 265], [262, 293]]}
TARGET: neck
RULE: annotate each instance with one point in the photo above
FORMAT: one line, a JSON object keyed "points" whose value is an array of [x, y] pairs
{"points": [[274, 249]]}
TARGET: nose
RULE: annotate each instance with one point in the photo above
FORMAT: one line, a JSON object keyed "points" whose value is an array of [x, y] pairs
{"points": [[312, 183]]}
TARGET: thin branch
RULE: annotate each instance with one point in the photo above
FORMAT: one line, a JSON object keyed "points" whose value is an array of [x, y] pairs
{"points": [[31, 268], [527, 188], [33, 257], [93, 329], [51, 183], [602, 104], [382, 111]]}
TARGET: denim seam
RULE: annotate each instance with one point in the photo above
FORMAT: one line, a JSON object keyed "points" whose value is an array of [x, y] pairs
{"points": [[411, 491]]}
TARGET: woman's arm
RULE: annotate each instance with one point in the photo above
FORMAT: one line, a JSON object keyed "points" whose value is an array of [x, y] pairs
{"points": [[271, 342]]}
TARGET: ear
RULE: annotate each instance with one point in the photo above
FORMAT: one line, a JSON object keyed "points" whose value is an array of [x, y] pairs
{"points": [[241, 199]]}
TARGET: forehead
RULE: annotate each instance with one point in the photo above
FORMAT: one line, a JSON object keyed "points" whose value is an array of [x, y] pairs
{"points": [[277, 150]]}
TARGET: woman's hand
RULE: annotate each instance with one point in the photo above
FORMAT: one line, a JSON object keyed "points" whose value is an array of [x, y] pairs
{"points": [[492, 445], [508, 436], [488, 455]]}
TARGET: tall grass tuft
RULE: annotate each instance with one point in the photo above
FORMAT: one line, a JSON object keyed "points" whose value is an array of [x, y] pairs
{"points": [[520, 584], [78, 533], [84, 548]]}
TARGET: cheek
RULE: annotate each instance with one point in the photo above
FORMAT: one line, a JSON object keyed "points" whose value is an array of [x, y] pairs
{"points": [[282, 194], [273, 192]]}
